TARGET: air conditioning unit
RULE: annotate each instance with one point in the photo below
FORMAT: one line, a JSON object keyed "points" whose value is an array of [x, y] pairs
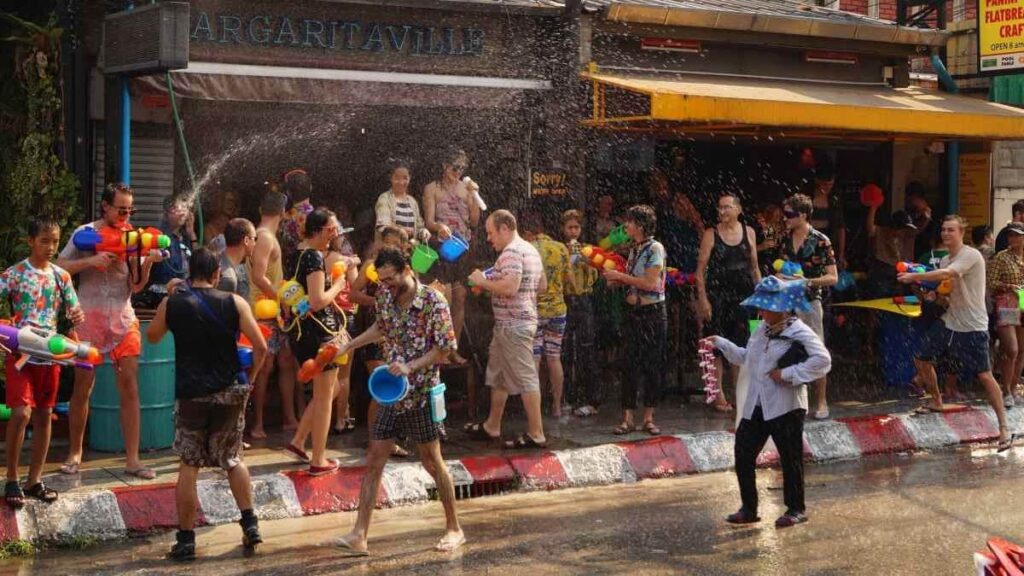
{"points": [[148, 39]]}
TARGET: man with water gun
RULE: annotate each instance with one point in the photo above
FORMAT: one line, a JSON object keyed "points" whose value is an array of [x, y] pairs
{"points": [[105, 288], [211, 391], [961, 335], [38, 293]]}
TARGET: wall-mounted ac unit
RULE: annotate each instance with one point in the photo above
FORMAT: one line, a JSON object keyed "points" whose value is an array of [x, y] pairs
{"points": [[148, 39]]}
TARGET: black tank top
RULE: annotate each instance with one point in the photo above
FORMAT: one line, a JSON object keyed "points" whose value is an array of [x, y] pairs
{"points": [[729, 267], [205, 349]]}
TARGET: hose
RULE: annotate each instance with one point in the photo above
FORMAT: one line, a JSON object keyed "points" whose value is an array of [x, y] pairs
{"points": [[188, 160]]}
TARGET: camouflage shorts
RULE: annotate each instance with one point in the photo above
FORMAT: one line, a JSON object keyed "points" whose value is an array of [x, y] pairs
{"points": [[207, 429]]}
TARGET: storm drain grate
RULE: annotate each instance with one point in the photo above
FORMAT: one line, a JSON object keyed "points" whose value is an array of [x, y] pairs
{"points": [[479, 489]]}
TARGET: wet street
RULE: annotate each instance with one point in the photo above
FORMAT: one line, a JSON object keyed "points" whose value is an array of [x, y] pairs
{"points": [[897, 514]]}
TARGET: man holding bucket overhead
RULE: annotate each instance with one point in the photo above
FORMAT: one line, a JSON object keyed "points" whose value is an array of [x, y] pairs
{"points": [[415, 326]]}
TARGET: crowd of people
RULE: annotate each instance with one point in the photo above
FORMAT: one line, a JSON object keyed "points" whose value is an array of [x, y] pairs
{"points": [[546, 296]]}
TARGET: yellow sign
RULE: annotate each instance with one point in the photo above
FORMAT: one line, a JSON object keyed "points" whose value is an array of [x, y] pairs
{"points": [[975, 188], [549, 182], [1000, 35]]}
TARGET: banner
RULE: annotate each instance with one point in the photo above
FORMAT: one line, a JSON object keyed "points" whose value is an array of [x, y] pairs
{"points": [[975, 188], [1000, 36]]}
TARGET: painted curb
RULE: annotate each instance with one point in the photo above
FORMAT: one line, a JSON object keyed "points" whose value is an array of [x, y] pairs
{"points": [[111, 514]]}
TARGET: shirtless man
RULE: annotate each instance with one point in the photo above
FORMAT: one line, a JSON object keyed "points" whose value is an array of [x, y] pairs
{"points": [[265, 276], [449, 207]]}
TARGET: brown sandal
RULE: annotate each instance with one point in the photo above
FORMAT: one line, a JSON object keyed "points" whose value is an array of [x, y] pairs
{"points": [[623, 429], [652, 429]]}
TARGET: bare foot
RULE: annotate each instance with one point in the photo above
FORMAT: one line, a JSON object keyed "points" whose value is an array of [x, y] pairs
{"points": [[455, 359], [257, 433], [450, 541]]}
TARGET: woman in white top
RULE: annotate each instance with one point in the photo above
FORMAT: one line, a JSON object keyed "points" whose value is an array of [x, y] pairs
{"points": [[398, 208]]}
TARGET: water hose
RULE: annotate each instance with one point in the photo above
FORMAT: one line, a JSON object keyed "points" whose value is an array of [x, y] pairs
{"points": [[188, 160]]}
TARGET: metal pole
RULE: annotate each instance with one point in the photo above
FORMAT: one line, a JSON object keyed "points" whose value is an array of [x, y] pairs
{"points": [[126, 132]]}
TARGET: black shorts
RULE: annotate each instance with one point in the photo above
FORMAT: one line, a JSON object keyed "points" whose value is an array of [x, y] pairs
{"points": [[961, 352], [415, 423], [306, 347], [729, 320]]}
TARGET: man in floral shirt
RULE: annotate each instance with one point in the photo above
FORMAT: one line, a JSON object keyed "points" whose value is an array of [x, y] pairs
{"points": [[416, 327], [812, 250]]}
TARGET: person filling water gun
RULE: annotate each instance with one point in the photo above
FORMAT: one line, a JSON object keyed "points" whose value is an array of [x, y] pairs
{"points": [[603, 259], [617, 237], [46, 346], [788, 268], [121, 242]]}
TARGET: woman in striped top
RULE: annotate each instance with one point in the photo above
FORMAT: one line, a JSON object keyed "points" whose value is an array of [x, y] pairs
{"points": [[398, 208]]}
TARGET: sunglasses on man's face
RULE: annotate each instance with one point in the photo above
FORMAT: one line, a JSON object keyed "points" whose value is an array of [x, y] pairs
{"points": [[790, 213], [122, 211]]}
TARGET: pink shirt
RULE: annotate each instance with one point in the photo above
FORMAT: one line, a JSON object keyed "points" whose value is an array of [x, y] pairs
{"points": [[522, 260], [453, 211]]}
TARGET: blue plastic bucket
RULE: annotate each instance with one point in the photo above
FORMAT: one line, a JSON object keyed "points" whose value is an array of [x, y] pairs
{"points": [[386, 388], [156, 396], [453, 248]]}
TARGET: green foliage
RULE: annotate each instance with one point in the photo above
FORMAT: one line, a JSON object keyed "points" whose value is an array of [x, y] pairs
{"points": [[34, 180], [16, 549]]}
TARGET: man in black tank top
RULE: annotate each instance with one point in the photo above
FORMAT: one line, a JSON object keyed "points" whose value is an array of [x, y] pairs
{"points": [[211, 391]]}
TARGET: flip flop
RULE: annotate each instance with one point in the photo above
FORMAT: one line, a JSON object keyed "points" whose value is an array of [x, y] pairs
{"points": [[13, 494], [652, 429], [348, 551], [476, 431], [298, 453], [924, 410], [141, 473], [623, 429], [451, 546], [41, 492], [1005, 445], [69, 468], [524, 441]]}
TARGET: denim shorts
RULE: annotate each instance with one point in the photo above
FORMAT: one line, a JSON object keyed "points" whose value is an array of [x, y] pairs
{"points": [[961, 352]]}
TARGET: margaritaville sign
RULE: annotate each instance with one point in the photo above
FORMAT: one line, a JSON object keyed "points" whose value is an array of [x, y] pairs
{"points": [[294, 31]]}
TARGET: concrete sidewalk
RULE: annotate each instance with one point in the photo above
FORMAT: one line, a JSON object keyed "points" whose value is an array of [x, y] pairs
{"points": [[104, 503]]}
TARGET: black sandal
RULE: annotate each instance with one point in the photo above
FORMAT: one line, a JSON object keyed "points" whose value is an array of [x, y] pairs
{"points": [[476, 431], [40, 492], [13, 495], [524, 441]]}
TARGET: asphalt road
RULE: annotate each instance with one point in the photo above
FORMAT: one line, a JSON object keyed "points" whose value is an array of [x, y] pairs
{"points": [[898, 514]]}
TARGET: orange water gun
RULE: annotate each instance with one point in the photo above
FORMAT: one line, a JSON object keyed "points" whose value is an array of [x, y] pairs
{"points": [[603, 259], [328, 354]]}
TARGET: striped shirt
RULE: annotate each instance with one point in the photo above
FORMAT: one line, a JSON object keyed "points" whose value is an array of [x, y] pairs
{"points": [[405, 215]]}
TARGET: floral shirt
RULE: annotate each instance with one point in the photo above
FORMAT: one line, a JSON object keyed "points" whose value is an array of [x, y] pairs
{"points": [[410, 333], [1005, 273], [555, 258], [519, 259], [583, 275], [37, 298], [814, 255]]}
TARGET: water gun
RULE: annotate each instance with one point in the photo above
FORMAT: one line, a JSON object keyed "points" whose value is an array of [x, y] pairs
{"points": [[788, 268], [906, 300], [943, 288], [29, 342], [327, 355], [338, 270], [603, 259], [371, 273], [121, 242], [616, 237], [476, 290], [293, 296], [676, 277]]}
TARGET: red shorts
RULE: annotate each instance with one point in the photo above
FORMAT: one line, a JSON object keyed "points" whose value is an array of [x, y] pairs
{"points": [[33, 386]]}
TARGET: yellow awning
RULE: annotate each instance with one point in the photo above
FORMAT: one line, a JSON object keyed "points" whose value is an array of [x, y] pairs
{"points": [[745, 106]]}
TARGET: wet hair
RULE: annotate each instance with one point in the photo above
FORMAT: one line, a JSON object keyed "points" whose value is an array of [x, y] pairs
{"points": [[391, 256], [296, 185], [236, 231], [317, 220], [802, 203], [956, 218], [203, 265], [387, 231], [396, 164], [643, 216], [453, 154], [37, 225], [503, 218], [273, 204], [978, 234], [113, 189], [570, 215], [1018, 207]]}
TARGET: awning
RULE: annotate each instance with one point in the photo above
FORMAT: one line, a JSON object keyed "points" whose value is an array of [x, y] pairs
{"points": [[301, 85], [744, 106]]}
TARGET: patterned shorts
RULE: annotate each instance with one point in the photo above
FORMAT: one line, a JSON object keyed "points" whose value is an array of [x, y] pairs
{"points": [[548, 341], [207, 431], [414, 423], [278, 340]]}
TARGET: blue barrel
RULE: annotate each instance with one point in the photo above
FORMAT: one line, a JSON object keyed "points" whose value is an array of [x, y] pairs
{"points": [[156, 396]]}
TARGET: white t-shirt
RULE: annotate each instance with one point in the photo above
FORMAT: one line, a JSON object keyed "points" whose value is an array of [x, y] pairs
{"points": [[966, 312]]}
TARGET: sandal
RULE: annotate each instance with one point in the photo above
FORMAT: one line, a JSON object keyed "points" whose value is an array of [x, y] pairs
{"points": [[141, 473], [925, 409], [1005, 444], [41, 492], [332, 466], [585, 411], [298, 453], [69, 468], [13, 495], [652, 429], [623, 429], [524, 441], [399, 452], [476, 431]]}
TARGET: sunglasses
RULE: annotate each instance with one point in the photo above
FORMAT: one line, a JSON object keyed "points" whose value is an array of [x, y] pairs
{"points": [[790, 213], [121, 211], [459, 167]]}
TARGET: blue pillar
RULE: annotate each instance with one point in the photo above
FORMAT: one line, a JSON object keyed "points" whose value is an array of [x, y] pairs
{"points": [[126, 132], [952, 147]]}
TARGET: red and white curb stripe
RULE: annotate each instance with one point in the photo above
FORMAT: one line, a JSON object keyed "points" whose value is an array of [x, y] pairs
{"points": [[109, 514]]}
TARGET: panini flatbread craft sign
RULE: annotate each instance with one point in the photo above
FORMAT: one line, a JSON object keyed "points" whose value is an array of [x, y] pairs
{"points": [[1000, 36], [549, 182]]}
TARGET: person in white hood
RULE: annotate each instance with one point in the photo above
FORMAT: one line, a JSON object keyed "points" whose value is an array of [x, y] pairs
{"points": [[780, 358]]}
